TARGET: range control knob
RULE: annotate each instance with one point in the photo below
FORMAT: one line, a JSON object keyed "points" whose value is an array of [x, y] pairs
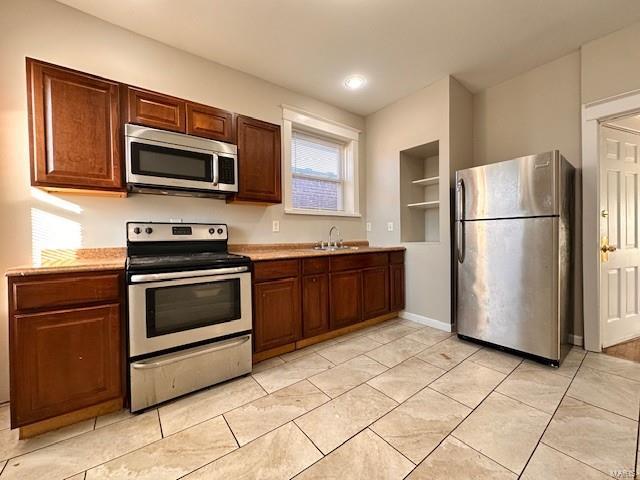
{"points": [[137, 230], [220, 231], [212, 231], [148, 230]]}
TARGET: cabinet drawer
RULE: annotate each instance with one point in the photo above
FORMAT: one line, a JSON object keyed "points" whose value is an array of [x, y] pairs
{"points": [[357, 261], [396, 257], [272, 269], [312, 266], [65, 290]]}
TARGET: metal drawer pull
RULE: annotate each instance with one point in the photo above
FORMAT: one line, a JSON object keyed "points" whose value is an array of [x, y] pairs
{"points": [[169, 361], [152, 277]]}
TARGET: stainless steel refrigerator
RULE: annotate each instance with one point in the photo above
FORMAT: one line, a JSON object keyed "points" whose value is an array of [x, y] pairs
{"points": [[514, 275]]}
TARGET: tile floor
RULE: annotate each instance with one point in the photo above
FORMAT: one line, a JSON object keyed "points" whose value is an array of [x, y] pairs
{"points": [[398, 400]]}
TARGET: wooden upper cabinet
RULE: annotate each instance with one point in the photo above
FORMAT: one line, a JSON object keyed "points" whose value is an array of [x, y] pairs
{"points": [[210, 122], [259, 162], [74, 129], [155, 110]]}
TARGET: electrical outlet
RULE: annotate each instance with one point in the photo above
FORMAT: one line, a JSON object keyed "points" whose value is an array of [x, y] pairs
{"points": [[389, 226], [368, 225], [276, 226]]}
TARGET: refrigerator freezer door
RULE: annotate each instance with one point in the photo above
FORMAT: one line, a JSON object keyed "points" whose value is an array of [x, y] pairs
{"points": [[508, 283], [523, 187]]}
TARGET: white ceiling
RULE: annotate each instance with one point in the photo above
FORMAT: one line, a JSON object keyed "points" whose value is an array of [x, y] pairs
{"points": [[310, 46]]}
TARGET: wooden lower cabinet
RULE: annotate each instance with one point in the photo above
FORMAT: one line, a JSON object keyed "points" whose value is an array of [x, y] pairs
{"points": [[396, 275], [68, 359], [345, 298], [315, 304], [375, 292], [66, 344], [297, 299], [276, 319]]}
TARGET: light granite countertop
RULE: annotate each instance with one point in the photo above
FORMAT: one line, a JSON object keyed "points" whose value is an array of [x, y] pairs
{"points": [[303, 250], [73, 260], [97, 259]]}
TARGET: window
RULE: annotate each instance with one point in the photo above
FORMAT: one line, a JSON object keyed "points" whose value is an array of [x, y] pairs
{"points": [[320, 164], [316, 168]]}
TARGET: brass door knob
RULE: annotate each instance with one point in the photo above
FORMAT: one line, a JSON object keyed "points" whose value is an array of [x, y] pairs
{"points": [[608, 248]]}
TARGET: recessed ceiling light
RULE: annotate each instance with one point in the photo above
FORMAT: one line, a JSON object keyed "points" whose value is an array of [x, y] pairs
{"points": [[354, 82]]}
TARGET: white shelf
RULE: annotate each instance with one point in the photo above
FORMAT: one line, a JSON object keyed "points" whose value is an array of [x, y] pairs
{"points": [[425, 205], [426, 181]]}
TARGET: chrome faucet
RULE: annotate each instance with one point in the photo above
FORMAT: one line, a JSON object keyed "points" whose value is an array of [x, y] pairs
{"points": [[333, 227]]}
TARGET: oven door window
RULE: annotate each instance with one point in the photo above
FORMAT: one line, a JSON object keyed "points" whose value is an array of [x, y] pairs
{"points": [[185, 307], [166, 162]]}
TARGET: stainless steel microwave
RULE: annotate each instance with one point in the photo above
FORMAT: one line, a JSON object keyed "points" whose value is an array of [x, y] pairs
{"points": [[159, 161]]}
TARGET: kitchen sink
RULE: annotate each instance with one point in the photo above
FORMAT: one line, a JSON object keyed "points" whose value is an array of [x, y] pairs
{"points": [[334, 248]]}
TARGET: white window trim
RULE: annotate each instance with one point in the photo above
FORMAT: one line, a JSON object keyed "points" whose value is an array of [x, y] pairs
{"points": [[296, 119]]}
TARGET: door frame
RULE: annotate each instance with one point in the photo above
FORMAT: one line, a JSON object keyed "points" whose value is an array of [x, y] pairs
{"points": [[592, 115]]}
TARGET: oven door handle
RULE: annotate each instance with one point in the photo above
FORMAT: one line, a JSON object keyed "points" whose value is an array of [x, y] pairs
{"points": [[153, 277], [178, 358]]}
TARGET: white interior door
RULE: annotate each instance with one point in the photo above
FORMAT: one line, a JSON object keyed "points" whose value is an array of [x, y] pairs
{"points": [[619, 268]]}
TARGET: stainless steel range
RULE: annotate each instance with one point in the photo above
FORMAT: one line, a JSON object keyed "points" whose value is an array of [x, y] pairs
{"points": [[189, 306]]}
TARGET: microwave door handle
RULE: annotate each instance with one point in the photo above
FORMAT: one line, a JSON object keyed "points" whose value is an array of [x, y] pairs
{"points": [[216, 173]]}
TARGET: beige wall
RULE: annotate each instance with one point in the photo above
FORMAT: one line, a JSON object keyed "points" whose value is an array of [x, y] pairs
{"points": [[47, 30], [532, 113], [611, 65], [419, 118]]}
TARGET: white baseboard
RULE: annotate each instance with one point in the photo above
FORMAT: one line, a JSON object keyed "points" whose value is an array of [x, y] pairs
{"points": [[576, 340], [429, 322]]}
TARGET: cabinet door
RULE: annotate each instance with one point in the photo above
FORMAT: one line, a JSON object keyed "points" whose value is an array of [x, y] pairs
{"points": [[74, 129], [259, 175], [345, 298], [315, 305], [277, 313], [375, 291], [64, 361], [210, 122], [155, 110], [397, 287]]}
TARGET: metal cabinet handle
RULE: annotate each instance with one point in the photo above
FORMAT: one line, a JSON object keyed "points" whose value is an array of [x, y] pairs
{"points": [[169, 361]]}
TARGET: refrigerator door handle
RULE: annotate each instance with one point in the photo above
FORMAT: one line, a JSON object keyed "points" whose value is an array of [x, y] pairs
{"points": [[460, 241], [461, 199], [460, 247]]}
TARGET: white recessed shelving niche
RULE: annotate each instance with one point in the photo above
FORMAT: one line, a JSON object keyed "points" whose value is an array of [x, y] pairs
{"points": [[420, 193]]}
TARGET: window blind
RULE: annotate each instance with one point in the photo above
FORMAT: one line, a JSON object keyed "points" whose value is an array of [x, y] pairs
{"points": [[317, 172]]}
